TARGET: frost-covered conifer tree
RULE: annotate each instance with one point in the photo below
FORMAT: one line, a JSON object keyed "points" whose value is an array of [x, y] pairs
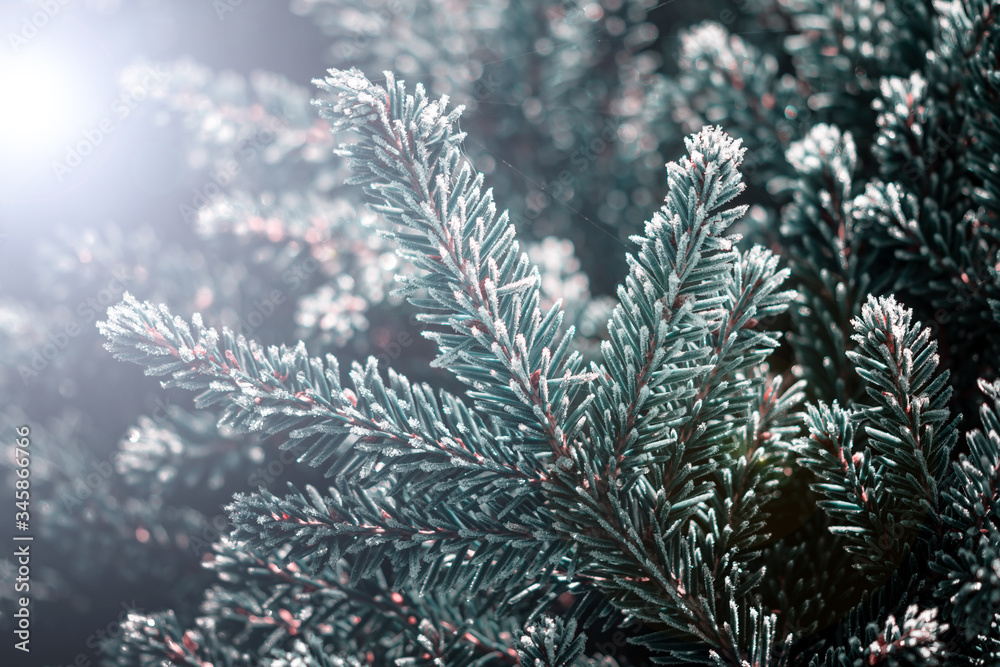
{"points": [[640, 485], [777, 442]]}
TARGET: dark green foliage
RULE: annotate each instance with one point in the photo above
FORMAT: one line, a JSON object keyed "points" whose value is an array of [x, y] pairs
{"points": [[887, 129], [476, 283], [832, 259], [887, 485], [970, 565], [649, 486], [255, 609], [454, 525]]}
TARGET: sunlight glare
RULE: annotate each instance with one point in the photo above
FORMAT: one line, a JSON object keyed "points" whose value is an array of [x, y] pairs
{"points": [[36, 105]]}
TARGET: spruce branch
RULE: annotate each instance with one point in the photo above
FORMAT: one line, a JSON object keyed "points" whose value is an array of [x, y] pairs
{"points": [[968, 44], [914, 639], [819, 222], [970, 561], [263, 602], [455, 485], [752, 100], [474, 281], [745, 489], [879, 495], [553, 643], [395, 428], [678, 378], [849, 488], [161, 638], [671, 299], [739, 344], [640, 486], [452, 542], [830, 256], [910, 430]]}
